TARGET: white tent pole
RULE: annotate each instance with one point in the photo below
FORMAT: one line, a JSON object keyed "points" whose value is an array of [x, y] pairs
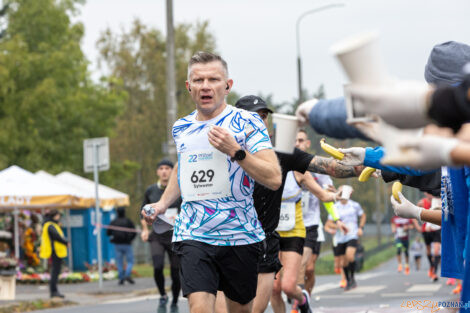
{"points": [[69, 232], [17, 234]]}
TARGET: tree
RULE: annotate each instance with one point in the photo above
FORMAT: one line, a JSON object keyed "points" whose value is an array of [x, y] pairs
{"points": [[137, 58], [48, 103]]}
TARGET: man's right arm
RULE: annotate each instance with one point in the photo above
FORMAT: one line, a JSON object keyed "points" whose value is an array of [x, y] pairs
{"points": [[171, 194]]}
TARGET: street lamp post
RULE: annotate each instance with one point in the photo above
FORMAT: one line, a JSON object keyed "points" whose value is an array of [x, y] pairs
{"points": [[299, 60]]}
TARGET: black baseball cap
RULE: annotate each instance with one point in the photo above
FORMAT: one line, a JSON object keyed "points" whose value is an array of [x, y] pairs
{"points": [[252, 104], [165, 162]]}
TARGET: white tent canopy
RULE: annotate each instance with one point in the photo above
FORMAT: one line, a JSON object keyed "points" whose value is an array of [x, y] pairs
{"points": [[22, 189], [109, 197]]}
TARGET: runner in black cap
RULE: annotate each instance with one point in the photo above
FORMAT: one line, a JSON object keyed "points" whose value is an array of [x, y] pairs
{"points": [[159, 243], [268, 202]]}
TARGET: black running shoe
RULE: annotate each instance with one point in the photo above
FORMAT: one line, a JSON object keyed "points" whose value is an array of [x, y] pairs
{"points": [[305, 308]]}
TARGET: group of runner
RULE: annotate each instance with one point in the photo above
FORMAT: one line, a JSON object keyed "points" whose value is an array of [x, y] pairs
{"points": [[242, 235]]}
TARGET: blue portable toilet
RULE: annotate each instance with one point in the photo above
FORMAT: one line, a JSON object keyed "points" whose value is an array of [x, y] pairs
{"points": [[84, 237]]}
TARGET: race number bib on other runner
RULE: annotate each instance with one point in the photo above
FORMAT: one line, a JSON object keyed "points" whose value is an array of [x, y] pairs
{"points": [[401, 232], [204, 175], [287, 216]]}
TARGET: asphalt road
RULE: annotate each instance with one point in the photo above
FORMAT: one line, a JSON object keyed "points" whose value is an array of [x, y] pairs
{"points": [[381, 290]]}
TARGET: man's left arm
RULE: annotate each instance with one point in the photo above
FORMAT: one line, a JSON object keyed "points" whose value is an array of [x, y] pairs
{"points": [[333, 168]]}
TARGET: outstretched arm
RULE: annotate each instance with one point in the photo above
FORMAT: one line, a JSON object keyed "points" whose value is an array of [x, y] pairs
{"points": [[308, 181], [333, 168]]}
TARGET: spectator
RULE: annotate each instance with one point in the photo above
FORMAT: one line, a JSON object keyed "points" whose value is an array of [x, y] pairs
{"points": [[122, 244], [54, 246]]}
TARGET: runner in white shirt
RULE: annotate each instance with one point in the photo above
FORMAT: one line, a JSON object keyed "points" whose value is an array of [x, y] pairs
{"points": [[351, 213], [312, 221], [222, 150]]}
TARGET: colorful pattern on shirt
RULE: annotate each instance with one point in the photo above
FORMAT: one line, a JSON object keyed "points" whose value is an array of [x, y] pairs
{"points": [[232, 220]]}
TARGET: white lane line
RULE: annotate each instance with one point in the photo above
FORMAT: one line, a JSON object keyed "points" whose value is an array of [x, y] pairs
{"points": [[342, 296], [132, 299], [424, 287], [367, 289], [405, 294], [370, 275], [325, 287]]}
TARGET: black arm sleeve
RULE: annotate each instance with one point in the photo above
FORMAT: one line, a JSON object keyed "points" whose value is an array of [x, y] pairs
{"points": [[54, 235], [430, 183], [298, 161], [450, 106]]}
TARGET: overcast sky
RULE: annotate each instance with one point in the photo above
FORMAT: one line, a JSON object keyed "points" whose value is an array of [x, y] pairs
{"points": [[258, 37]]}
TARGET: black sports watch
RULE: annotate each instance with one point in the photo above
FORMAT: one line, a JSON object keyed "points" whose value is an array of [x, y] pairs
{"points": [[239, 155]]}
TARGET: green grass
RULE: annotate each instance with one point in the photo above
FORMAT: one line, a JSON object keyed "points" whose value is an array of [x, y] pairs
{"points": [[146, 270]]}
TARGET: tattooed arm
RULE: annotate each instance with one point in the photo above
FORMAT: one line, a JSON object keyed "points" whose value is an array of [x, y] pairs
{"points": [[330, 166]]}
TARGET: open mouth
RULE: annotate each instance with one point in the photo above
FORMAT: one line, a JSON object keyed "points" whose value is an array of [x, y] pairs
{"points": [[206, 98]]}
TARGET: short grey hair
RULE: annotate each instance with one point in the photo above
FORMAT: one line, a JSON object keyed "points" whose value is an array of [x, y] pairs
{"points": [[206, 57]]}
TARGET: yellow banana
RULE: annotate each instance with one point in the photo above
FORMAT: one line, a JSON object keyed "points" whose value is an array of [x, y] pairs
{"points": [[331, 150], [396, 188], [365, 174]]}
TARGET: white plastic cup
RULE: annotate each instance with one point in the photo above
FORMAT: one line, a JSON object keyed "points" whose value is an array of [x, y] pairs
{"points": [[285, 132], [346, 192], [361, 59]]}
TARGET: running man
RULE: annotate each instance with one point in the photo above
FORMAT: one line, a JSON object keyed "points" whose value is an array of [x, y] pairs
{"points": [[292, 231], [312, 221], [268, 202], [222, 150], [159, 243], [401, 230], [351, 213]]}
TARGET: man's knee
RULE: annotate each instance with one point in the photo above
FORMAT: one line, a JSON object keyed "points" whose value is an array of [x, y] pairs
{"points": [[201, 302], [289, 286]]}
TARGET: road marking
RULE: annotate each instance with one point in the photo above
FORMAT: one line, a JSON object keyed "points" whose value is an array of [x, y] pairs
{"points": [[342, 296], [367, 289], [405, 294], [132, 299], [325, 287], [424, 287], [369, 275]]}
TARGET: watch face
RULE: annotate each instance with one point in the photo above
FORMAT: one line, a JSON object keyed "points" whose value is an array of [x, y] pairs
{"points": [[240, 155]]}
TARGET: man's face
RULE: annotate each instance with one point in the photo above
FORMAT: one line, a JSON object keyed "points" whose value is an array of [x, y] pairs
{"points": [[264, 114], [207, 85], [164, 172], [302, 142]]}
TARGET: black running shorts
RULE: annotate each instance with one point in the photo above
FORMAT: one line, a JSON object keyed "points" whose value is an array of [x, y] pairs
{"points": [[311, 239], [295, 244], [270, 262], [208, 268]]}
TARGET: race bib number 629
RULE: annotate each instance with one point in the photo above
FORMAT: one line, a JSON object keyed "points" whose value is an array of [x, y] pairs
{"points": [[204, 175]]}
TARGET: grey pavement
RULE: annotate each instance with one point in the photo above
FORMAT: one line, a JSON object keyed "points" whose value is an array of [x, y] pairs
{"points": [[382, 290]]}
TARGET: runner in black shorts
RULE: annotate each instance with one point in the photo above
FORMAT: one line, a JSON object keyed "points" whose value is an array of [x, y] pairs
{"points": [[268, 202], [222, 151], [159, 243]]}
